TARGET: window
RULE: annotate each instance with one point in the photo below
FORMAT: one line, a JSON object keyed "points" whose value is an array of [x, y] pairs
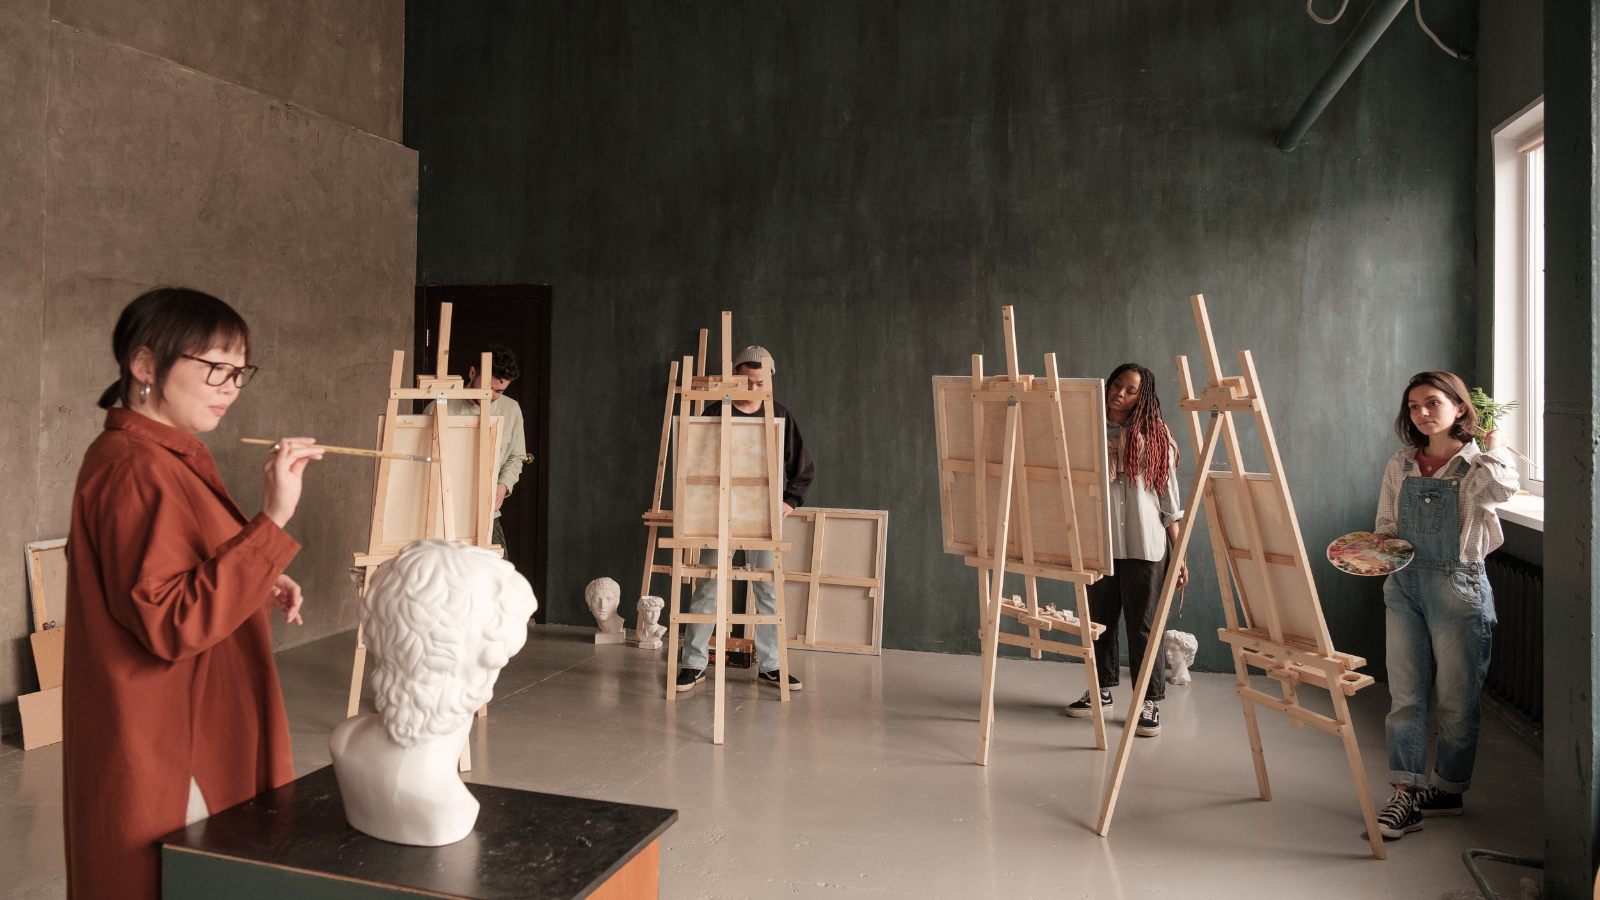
{"points": [[1518, 146]]}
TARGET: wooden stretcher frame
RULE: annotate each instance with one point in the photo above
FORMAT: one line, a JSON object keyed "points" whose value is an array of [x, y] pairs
{"points": [[699, 390], [441, 507], [821, 580], [1035, 409], [47, 588], [1302, 652]]}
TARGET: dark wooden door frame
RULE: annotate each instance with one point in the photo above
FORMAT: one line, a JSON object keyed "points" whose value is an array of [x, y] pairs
{"points": [[536, 384]]}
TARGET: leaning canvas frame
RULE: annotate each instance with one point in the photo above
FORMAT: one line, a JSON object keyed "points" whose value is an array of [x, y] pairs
{"points": [[835, 585], [47, 587], [1283, 632], [1024, 488]]}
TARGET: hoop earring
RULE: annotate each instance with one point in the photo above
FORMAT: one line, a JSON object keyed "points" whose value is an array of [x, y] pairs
{"points": [[144, 391]]}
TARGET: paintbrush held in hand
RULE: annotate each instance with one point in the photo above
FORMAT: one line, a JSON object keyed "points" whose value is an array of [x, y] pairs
{"points": [[348, 451]]}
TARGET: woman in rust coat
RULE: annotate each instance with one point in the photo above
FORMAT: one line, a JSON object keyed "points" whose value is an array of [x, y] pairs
{"points": [[171, 703]]}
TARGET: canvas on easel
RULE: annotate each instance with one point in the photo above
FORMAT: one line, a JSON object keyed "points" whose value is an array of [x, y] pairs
{"points": [[1259, 551], [1024, 488], [450, 498], [727, 496]]}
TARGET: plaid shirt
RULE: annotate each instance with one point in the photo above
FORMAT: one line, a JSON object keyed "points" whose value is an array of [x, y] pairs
{"points": [[1489, 480]]}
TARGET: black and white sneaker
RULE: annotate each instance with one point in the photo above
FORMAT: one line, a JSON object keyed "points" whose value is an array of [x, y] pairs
{"points": [[1149, 720], [1436, 802], [772, 679], [1403, 814], [1081, 708], [688, 678]]}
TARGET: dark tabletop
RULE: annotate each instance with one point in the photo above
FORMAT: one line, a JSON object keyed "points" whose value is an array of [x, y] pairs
{"points": [[526, 845]]}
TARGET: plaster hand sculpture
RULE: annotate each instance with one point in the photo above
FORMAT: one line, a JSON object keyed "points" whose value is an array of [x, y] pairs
{"points": [[441, 618], [604, 596], [649, 631], [1180, 648]]}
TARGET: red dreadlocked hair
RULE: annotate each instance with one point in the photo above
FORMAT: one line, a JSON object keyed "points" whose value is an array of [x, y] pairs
{"points": [[1146, 429]]}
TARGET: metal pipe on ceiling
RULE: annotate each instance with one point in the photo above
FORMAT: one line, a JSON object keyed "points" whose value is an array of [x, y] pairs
{"points": [[1374, 22]]}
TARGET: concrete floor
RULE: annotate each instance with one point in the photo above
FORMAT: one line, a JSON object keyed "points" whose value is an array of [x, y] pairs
{"points": [[865, 783]]}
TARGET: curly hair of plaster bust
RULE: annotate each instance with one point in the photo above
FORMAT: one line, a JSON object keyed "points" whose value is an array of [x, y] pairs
{"points": [[441, 619]]}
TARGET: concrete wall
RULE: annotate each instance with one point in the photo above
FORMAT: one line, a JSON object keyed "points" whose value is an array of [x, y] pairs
{"points": [[161, 142], [866, 185]]}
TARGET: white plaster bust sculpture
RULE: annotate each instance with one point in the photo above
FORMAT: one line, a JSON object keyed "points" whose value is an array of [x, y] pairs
{"points": [[649, 631], [1180, 648], [603, 597], [442, 618]]}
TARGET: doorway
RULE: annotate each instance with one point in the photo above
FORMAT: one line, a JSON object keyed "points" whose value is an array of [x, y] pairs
{"points": [[516, 316]]}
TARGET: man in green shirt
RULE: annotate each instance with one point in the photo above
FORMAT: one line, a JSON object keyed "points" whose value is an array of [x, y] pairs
{"points": [[513, 446]]}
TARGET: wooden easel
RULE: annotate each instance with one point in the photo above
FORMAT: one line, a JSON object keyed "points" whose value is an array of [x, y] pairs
{"points": [[1040, 399], [439, 517], [1256, 541], [687, 538]]}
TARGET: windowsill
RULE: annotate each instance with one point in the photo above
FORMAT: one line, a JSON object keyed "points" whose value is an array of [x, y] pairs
{"points": [[1525, 510]]}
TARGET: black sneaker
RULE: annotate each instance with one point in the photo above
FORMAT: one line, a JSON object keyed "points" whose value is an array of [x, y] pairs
{"points": [[1149, 720], [688, 678], [1436, 802], [1081, 708], [1403, 814], [772, 679]]}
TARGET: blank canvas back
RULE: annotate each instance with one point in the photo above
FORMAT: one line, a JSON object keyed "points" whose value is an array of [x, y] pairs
{"points": [[1299, 611], [406, 502], [1085, 431], [697, 468]]}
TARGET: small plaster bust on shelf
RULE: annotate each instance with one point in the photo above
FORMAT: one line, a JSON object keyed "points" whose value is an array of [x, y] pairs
{"points": [[649, 631], [441, 618], [603, 597]]}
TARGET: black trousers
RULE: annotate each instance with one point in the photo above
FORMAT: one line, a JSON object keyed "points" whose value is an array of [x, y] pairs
{"points": [[1130, 595]]}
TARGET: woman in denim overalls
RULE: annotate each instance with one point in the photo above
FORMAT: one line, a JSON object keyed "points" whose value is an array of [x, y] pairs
{"points": [[1439, 493]]}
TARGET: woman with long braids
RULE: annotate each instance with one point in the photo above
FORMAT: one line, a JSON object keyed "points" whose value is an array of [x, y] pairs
{"points": [[1144, 522]]}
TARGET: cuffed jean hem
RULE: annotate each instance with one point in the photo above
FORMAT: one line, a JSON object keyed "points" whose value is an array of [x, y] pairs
{"points": [[1413, 780], [1408, 779]]}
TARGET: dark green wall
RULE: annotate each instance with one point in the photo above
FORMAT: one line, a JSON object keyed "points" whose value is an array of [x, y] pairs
{"points": [[865, 184]]}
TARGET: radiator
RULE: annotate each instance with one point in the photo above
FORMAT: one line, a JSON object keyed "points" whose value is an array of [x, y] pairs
{"points": [[1516, 666]]}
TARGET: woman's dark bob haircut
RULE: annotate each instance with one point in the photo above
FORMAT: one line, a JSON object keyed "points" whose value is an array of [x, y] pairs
{"points": [[1466, 426], [171, 322]]}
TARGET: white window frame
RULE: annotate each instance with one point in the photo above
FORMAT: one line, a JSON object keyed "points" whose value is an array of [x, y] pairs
{"points": [[1518, 288]]}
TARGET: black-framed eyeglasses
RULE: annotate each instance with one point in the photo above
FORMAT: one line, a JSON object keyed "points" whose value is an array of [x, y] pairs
{"points": [[222, 373]]}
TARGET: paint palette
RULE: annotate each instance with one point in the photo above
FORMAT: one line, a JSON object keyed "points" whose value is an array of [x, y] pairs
{"points": [[1364, 553]]}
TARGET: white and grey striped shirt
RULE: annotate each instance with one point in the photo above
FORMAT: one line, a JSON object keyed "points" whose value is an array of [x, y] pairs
{"points": [[1490, 480]]}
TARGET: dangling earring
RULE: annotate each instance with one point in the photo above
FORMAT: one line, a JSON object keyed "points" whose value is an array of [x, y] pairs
{"points": [[144, 391]]}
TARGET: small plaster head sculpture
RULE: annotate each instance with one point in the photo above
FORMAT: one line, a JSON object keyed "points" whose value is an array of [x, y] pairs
{"points": [[648, 630], [603, 596], [441, 618], [1180, 648]]}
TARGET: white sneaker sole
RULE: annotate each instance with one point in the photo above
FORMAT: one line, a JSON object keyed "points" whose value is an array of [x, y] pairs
{"points": [[691, 685], [1085, 712], [1146, 731], [1395, 834]]}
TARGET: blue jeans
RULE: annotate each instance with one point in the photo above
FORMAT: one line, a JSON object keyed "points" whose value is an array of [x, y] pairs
{"points": [[1439, 619], [705, 601]]}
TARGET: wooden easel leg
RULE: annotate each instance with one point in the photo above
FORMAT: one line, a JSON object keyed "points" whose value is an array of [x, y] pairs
{"points": [[724, 563], [1293, 698], [1089, 663], [997, 582], [1252, 729], [1032, 587], [674, 592], [782, 626], [1168, 588], [465, 763], [988, 654], [1358, 771], [356, 672], [649, 562]]}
